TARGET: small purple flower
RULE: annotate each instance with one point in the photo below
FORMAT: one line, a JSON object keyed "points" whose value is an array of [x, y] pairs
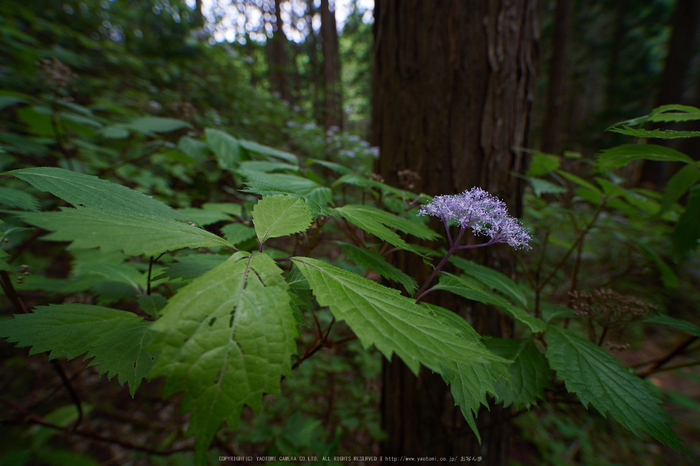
{"points": [[485, 214]]}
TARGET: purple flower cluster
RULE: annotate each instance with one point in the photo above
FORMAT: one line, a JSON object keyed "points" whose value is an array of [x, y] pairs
{"points": [[485, 214]]}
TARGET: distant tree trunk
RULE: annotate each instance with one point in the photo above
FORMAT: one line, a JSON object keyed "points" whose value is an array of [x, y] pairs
{"points": [[451, 98], [331, 67], [616, 48], [556, 90], [674, 84], [278, 58], [313, 58]]}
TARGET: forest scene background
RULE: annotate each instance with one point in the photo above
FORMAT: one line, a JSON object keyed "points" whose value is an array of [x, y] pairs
{"points": [[207, 106]]}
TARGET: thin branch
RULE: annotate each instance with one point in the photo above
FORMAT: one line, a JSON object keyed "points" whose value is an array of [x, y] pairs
{"points": [[677, 351]]}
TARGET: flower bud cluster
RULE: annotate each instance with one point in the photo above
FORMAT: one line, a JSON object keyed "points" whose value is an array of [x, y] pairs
{"points": [[485, 214]]}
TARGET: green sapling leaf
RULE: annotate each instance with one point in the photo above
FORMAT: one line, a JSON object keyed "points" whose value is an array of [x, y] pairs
{"points": [[276, 216]]}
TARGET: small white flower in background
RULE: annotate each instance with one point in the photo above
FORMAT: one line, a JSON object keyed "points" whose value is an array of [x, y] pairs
{"points": [[485, 214]]}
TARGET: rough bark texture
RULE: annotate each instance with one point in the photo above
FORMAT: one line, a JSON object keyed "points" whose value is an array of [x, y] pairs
{"points": [[331, 67], [451, 98], [556, 89]]}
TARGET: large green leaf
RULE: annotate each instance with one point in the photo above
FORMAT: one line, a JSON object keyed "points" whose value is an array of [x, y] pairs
{"points": [[491, 278], [654, 133], [15, 198], [115, 339], [529, 372], [193, 266], [380, 316], [679, 183], [620, 156], [379, 223], [225, 340], [277, 216], [372, 260], [601, 380], [468, 287], [121, 231], [253, 146], [89, 191], [225, 147]]}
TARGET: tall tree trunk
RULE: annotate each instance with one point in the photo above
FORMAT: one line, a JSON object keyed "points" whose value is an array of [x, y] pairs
{"points": [[331, 67], [451, 98], [556, 90], [674, 84], [278, 58], [313, 59], [616, 49]]}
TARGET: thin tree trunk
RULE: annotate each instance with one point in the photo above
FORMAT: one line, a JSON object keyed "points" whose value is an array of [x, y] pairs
{"points": [[278, 56], [452, 91], [331, 76], [556, 90]]}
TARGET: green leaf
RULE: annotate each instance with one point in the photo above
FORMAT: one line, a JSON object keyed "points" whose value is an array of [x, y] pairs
{"points": [[680, 324], [601, 380], [115, 339], [363, 182], [204, 217], [236, 233], [492, 279], [252, 146], [19, 199], [89, 191], [152, 304], [468, 287], [654, 133], [379, 222], [225, 340], [188, 267], [668, 276], [542, 164], [529, 372], [277, 216], [269, 184], [469, 384], [540, 186], [7, 101], [686, 235], [679, 183], [371, 260], [157, 125], [121, 231], [193, 148], [620, 156], [380, 316], [580, 181], [265, 166], [225, 147]]}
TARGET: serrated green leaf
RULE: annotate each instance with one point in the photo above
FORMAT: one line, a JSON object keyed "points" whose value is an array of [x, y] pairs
{"points": [[121, 231], [540, 186], [686, 235], [680, 324], [193, 266], [619, 156], [469, 384], [225, 147], [580, 181], [230, 208], [267, 184], [654, 133], [89, 191], [491, 278], [225, 340], [342, 169], [380, 316], [115, 339], [157, 125], [236, 233], [374, 261], [468, 287], [277, 216], [379, 223], [15, 198], [542, 164], [529, 372], [264, 166], [600, 379]]}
